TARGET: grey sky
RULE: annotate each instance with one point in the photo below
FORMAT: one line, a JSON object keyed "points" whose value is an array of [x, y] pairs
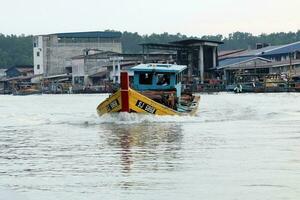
{"points": [[191, 17]]}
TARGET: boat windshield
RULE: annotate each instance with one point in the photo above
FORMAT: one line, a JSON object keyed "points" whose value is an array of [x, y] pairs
{"points": [[146, 78], [163, 79]]}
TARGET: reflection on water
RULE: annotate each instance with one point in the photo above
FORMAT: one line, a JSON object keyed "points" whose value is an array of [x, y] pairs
{"points": [[145, 143]]}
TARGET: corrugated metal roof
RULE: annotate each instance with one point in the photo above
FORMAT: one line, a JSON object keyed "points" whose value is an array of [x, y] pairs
{"points": [[99, 74], [284, 49], [25, 69], [230, 52], [264, 65], [194, 40], [159, 68], [257, 52], [233, 61], [92, 34], [19, 78], [272, 50]]}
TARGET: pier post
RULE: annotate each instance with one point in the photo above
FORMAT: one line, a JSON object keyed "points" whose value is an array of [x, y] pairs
{"points": [[125, 92], [201, 64]]}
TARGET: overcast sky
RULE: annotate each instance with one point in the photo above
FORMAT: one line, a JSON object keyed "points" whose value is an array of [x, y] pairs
{"points": [[190, 17]]}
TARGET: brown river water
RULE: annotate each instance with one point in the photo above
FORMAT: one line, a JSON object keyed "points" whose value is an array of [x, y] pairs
{"points": [[239, 146]]}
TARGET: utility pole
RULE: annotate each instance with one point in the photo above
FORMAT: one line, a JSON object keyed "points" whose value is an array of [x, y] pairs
{"points": [[290, 68]]}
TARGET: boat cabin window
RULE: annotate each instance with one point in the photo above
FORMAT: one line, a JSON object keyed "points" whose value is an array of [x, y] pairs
{"points": [[163, 79], [178, 78], [146, 78]]}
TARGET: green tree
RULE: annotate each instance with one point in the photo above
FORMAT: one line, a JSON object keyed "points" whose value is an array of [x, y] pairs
{"points": [[17, 50]]}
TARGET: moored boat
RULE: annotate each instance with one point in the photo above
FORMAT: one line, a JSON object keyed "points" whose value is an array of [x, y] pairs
{"points": [[157, 89], [26, 89], [297, 83]]}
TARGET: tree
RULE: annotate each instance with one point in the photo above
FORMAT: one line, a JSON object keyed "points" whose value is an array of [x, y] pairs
{"points": [[17, 50]]}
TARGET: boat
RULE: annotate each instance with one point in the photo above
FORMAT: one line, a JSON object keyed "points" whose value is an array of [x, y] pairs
{"points": [[23, 89], [269, 83], [249, 87], [296, 81], [276, 83], [157, 89]]}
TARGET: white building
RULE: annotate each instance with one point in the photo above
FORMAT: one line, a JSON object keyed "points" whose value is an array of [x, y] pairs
{"points": [[52, 53]]}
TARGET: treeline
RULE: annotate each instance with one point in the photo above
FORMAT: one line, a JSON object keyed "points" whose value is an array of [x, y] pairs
{"points": [[17, 50], [241, 40], [236, 40]]}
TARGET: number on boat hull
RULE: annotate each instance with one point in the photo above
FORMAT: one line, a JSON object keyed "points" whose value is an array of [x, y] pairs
{"points": [[145, 107], [115, 103]]}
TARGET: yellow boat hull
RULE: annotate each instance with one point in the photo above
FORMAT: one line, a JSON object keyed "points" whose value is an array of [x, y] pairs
{"points": [[139, 103], [111, 104]]}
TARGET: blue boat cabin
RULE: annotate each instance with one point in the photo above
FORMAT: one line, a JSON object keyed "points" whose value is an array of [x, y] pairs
{"points": [[158, 77]]}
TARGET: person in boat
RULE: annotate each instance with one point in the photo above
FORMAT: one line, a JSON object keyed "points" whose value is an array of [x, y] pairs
{"points": [[163, 80], [171, 101]]}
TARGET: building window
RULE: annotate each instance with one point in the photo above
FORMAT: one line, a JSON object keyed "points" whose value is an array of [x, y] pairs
{"points": [[278, 58], [34, 44], [38, 67], [38, 53], [79, 80]]}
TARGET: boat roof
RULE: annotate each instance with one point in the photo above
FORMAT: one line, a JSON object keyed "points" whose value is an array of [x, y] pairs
{"points": [[150, 67]]}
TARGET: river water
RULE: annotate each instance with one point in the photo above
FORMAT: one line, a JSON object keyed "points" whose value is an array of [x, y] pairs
{"points": [[239, 146]]}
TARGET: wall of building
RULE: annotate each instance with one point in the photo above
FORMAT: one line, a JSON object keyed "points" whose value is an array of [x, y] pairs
{"points": [[293, 70], [57, 53], [2, 73], [93, 66], [86, 67], [297, 70], [38, 55], [77, 67]]}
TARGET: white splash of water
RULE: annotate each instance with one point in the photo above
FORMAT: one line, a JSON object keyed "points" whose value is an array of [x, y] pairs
{"points": [[136, 118]]}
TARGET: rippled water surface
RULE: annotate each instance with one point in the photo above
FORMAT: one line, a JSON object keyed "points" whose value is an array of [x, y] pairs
{"points": [[237, 147]]}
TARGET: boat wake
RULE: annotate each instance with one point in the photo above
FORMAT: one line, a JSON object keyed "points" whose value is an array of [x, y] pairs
{"points": [[136, 118]]}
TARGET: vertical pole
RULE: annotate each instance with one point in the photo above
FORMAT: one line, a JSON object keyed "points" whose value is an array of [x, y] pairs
{"points": [[201, 64], [143, 59], [119, 70], [214, 57], [114, 71], [125, 92], [190, 65], [290, 55]]}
